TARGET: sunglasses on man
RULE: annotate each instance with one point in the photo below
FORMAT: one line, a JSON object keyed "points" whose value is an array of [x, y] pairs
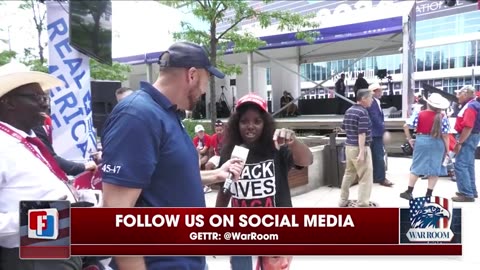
{"points": [[37, 97]]}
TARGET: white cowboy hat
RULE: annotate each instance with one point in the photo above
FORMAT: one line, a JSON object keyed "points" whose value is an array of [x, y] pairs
{"points": [[437, 101], [374, 86], [13, 75]]}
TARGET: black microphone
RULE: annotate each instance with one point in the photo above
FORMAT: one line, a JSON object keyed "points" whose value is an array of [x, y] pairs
{"points": [[239, 152]]}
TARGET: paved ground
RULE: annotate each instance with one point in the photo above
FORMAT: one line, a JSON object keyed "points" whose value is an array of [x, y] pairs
{"points": [[385, 197]]}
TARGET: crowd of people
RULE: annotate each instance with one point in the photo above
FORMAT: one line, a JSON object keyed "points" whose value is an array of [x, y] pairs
{"points": [[145, 137], [435, 146], [162, 166]]}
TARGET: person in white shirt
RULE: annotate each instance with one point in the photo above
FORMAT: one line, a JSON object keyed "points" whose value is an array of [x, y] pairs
{"points": [[26, 173]]}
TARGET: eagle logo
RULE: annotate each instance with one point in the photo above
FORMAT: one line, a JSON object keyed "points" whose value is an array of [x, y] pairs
{"points": [[429, 216], [430, 219]]}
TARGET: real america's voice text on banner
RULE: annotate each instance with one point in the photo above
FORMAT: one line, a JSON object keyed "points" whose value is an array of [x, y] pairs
{"points": [[243, 231]]}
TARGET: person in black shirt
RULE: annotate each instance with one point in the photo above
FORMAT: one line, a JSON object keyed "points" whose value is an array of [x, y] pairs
{"points": [[253, 127], [340, 88], [69, 167], [360, 83], [292, 109]]}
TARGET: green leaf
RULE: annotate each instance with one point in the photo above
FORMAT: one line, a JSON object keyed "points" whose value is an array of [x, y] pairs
{"points": [[6, 57], [115, 72], [214, 13]]}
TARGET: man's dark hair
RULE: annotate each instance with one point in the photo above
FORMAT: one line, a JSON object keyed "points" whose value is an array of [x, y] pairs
{"points": [[122, 90], [232, 135], [362, 93]]}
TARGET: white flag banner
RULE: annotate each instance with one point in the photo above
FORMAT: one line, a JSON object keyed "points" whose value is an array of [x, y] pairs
{"points": [[71, 110]]}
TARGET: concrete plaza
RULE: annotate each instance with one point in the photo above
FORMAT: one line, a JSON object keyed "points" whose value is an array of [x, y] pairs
{"points": [[398, 172]]}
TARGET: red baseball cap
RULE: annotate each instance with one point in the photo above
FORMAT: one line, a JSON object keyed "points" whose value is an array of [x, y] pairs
{"points": [[252, 99]]}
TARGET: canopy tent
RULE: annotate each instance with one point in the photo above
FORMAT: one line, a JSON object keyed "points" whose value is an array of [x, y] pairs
{"points": [[332, 43], [389, 29], [348, 39]]}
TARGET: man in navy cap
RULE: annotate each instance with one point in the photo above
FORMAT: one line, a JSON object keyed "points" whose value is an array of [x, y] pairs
{"points": [[149, 159]]}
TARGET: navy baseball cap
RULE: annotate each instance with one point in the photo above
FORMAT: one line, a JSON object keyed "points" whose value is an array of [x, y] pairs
{"points": [[187, 55]]}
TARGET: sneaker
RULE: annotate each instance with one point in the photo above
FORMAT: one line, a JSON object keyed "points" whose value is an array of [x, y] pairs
{"points": [[343, 203], [459, 194], [463, 198], [406, 195]]}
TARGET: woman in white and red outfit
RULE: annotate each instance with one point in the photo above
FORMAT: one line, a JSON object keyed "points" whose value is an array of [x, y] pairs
{"points": [[431, 144]]}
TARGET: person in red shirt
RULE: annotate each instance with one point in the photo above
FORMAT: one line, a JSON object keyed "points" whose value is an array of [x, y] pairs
{"points": [[431, 144], [216, 143], [467, 126], [202, 143]]}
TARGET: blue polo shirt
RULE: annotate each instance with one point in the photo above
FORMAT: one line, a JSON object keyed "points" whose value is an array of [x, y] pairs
{"points": [[145, 146]]}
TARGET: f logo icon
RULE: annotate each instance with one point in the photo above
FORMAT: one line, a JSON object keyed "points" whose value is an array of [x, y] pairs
{"points": [[43, 223]]}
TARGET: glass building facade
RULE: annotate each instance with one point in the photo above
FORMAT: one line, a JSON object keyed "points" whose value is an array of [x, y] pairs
{"points": [[442, 57]]}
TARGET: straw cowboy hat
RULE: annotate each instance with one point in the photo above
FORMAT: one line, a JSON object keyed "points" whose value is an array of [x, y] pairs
{"points": [[437, 101], [374, 86], [13, 75]]}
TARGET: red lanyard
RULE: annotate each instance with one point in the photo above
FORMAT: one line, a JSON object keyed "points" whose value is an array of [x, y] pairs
{"points": [[19, 137]]}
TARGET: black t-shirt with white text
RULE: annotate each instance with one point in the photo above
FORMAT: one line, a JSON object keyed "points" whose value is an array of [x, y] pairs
{"points": [[264, 181]]}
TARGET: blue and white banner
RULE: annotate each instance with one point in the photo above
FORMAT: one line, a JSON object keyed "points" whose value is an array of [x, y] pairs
{"points": [[71, 110]]}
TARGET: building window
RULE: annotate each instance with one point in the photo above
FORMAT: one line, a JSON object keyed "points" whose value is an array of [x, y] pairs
{"points": [[444, 57], [478, 52], [428, 59], [420, 59], [457, 24], [471, 49]]}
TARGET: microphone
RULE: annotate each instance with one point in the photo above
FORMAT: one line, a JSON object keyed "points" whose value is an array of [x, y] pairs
{"points": [[239, 152]]}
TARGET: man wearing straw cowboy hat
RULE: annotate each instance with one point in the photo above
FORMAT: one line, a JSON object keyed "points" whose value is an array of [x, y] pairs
{"points": [[467, 126], [430, 145], [378, 129], [27, 169]]}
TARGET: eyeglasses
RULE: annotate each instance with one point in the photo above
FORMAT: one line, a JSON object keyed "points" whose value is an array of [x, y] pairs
{"points": [[37, 97]]}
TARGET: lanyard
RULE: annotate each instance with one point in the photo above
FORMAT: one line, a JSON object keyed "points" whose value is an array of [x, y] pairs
{"points": [[27, 145]]}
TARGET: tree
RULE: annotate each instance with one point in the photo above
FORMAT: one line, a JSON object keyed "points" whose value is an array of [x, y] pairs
{"points": [[33, 61], [214, 11], [39, 17], [6, 57], [98, 71], [115, 72]]}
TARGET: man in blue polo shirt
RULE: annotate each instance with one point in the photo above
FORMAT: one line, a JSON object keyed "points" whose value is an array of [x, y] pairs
{"points": [[149, 159]]}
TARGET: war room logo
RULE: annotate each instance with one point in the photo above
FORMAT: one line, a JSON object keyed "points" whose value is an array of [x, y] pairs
{"points": [[430, 219], [256, 187]]}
